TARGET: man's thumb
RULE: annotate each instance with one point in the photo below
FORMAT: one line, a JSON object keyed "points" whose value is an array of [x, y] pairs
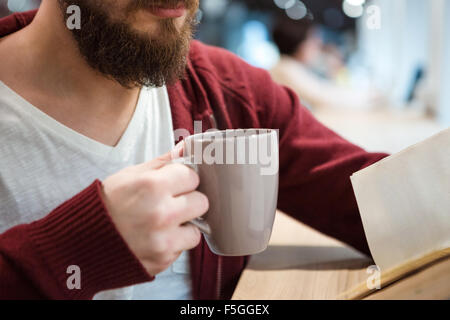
{"points": [[166, 158]]}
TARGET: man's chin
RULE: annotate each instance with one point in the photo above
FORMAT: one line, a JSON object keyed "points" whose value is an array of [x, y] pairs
{"points": [[157, 34], [145, 23]]}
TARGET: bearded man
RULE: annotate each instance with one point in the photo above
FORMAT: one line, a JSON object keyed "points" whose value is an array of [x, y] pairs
{"points": [[86, 132]]}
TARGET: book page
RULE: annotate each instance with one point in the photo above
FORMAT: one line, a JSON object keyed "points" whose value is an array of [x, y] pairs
{"points": [[404, 201]]}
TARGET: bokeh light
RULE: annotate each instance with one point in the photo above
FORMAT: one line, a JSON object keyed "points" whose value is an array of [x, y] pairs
{"points": [[353, 10], [297, 11]]}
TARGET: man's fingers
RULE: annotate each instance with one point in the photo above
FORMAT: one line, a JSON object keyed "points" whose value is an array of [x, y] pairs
{"points": [[178, 151], [187, 237], [189, 206], [179, 178], [165, 159], [155, 163]]}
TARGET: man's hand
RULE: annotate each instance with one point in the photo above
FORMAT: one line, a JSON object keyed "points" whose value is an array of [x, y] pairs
{"points": [[150, 204]]}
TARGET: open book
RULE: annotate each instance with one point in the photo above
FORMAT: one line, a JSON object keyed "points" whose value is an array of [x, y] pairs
{"points": [[404, 201]]}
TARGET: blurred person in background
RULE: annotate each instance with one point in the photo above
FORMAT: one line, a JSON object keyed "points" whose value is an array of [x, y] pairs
{"points": [[311, 68]]}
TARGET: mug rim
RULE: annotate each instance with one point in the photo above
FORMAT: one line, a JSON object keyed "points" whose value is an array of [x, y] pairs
{"points": [[211, 136]]}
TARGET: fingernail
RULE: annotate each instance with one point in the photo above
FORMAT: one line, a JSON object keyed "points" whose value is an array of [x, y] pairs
{"points": [[177, 152]]}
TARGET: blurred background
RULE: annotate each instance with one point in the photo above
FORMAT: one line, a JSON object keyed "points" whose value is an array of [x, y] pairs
{"points": [[375, 71]]}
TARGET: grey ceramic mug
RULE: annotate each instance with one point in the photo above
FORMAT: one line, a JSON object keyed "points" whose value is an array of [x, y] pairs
{"points": [[238, 172]]}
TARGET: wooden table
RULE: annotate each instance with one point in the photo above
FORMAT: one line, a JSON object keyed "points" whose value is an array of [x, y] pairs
{"points": [[301, 263]]}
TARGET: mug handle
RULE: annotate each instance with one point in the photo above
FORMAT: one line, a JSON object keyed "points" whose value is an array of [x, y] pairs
{"points": [[198, 222]]}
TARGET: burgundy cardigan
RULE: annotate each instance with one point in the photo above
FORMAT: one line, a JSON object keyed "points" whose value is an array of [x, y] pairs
{"points": [[315, 166]]}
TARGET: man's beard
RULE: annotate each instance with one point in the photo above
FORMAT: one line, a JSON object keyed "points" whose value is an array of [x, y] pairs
{"points": [[130, 57]]}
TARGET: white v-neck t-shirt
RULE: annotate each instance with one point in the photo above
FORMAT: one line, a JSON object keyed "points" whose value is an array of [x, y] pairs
{"points": [[44, 163]]}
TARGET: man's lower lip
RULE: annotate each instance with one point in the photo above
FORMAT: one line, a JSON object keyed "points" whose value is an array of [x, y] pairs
{"points": [[168, 13]]}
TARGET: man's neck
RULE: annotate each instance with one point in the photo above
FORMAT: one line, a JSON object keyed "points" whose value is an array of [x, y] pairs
{"points": [[47, 69]]}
